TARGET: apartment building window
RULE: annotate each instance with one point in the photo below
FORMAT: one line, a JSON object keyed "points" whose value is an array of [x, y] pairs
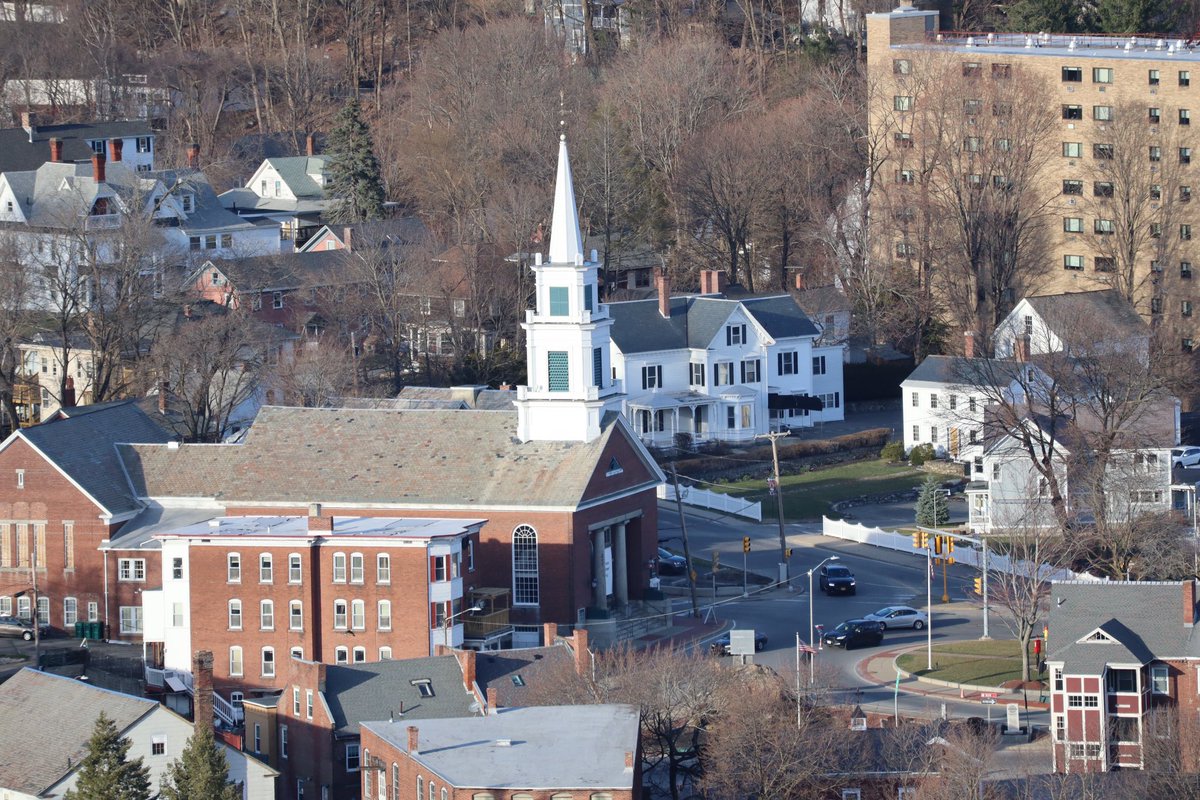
{"points": [[788, 362], [1001, 71], [339, 614], [1072, 112], [383, 568], [1155, 153], [652, 376], [356, 568], [385, 615], [294, 575], [1185, 155], [1155, 191], [696, 374], [70, 611], [266, 614], [1102, 189], [1103, 152], [341, 655], [1073, 262], [1153, 77], [901, 66], [1156, 233], [1155, 115], [1072, 149], [1156, 305], [1185, 232], [235, 661], [972, 144], [265, 570], [1003, 145], [1105, 264], [131, 569], [1073, 224], [1185, 308], [1072, 74], [235, 615], [902, 103], [903, 141], [1185, 77], [906, 176], [971, 69], [1185, 117], [1185, 270], [296, 615], [358, 615], [1102, 75], [1104, 227], [1185, 194], [1102, 113], [1072, 187], [339, 567], [296, 701], [1001, 109], [268, 662], [972, 107], [751, 370], [233, 568]]}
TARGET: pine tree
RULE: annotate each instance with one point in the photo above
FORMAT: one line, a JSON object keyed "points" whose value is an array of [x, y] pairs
{"points": [[355, 184], [201, 772], [104, 773], [932, 510], [1136, 16], [1035, 16]]}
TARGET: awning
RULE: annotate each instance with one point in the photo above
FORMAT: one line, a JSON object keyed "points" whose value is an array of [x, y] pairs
{"points": [[782, 402]]}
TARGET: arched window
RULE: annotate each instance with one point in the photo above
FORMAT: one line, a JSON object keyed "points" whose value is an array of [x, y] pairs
{"points": [[385, 654], [385, 615], [339, 567], [383, 568], [235, 615], [356, 567], [433, 794], [339, 614], [525, 566], [420, 787], [395, 781], [235, 661], [294, 572], [268, 662], [266, 569], [266, 615], [483, 796], [296, 615], [367, 774], [360, 655], [358, 614]]}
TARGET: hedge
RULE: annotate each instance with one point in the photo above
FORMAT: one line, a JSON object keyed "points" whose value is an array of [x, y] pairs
{"points": [[874, 438]]}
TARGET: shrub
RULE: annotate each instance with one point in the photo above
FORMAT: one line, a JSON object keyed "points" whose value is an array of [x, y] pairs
{"points": [[893, 451], [920, 454]]}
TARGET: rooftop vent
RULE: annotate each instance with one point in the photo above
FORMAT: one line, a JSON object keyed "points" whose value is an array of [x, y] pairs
{"points": [[504, 743]]}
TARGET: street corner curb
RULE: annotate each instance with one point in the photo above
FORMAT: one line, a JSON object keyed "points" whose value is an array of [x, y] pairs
{"points": [[965, 690]]}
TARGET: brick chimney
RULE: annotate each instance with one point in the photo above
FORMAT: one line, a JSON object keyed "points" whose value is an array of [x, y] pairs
{"points": [[55, 149], [663, 285], [549, 633], [29, 122], [347, 238], [583, 657], [98, 167], [114, 149], [414, 739], [1189, 603], [969, 344], [468, 668], [202, 683], [163, 388], [628, 759], [1021, 348], [799, 280], [193, 155], [310, 145], [68, 399], [318, 522], [492, 700]]}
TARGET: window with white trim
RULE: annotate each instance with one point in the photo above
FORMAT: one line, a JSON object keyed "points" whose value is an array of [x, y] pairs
{"points": [[268, 662], [1159, 682], [70, 611], [360, 655], [341, 655], [339, 567], [131, 569], [294, 568], [131, 618], [339, 614], [235, 661], [235, 615], [356, 568], [296, 615], [525, 566], [383, 568], [266, 571], [358, 615], [266, 615], [234, 568], [385, 615]]}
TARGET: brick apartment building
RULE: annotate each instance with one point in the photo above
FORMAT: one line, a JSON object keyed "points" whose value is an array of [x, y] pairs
{"points": [[588, 752], [1123, 658], [1095, 83], [63, 498]]}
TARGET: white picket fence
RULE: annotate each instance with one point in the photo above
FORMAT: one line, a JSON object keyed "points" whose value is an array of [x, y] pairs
{"points": [[703, 498], [963, 553]]}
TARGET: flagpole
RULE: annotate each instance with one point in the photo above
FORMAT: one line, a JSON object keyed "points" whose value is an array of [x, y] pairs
{"points": [[929, 609]]}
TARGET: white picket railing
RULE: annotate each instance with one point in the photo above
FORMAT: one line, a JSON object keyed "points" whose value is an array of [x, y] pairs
{"points": [[716, 501], [963, 554]]}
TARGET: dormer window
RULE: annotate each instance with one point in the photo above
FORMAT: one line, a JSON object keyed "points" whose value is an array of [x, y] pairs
{"points": [[100, 208], [97, 146], [187, 203]]}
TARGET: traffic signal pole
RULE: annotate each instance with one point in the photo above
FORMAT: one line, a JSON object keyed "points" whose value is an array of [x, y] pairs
{"points": [[984, 584], [745, 568]]}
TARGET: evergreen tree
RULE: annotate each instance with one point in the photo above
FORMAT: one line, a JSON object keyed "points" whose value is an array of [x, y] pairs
{"points": [[932, 510], [1036, 16], [1136, 16], [355, 184], [201, 772], [104, 773]]}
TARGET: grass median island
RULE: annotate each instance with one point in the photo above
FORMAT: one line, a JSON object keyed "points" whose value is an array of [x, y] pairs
{"points": [[810, 495], [985, 662]]}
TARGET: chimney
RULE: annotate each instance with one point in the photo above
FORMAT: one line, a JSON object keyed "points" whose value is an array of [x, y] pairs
{"points": [[310, 145], [55, 149], [549, 633], [163, 388], [969, 344], [29, 122], [664, 292], [347, 238], [628, 759], [202, 682], [1021, 348], [68, 398], [98, 167], [799, 280], [114, 149], [1189, 603], [505, 387], [193, 155], [317, 522], [718, 283], [413, 740], [583, 657], [468, 667], [492, 696]]}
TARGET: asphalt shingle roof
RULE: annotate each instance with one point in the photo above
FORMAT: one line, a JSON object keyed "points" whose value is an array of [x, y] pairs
{"points": [[46, 721], [1105, 306], [496, 670], [696, 320], [18, 153], [361, 692], [83, 446]]}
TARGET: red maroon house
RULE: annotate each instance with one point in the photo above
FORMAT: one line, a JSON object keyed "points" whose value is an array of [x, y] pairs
{"points": [[1119, 652]]}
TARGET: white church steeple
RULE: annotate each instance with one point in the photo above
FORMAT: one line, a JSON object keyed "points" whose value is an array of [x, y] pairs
{"points": [[570, 385]]}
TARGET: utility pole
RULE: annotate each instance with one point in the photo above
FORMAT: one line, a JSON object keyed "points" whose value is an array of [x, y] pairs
{"points": [[687, 552], [785, 576], [984, 585]]}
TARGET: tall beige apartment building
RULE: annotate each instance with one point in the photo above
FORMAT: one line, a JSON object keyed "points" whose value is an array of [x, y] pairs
{"points": [[1101, 95]]}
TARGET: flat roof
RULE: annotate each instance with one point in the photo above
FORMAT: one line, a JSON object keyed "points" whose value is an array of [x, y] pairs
{"points": [[291, 527], [1128, 48]]}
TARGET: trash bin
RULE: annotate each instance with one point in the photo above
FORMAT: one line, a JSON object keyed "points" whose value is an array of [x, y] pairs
{"points": [[94, 630], [80, 627]]}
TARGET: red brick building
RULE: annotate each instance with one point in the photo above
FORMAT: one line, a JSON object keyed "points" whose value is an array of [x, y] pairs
{"points": [[63, 499], [589, 752], [1123, 660]]}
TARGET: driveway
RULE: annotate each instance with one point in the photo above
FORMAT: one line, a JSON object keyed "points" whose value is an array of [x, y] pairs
{"points": [[891, 418]]}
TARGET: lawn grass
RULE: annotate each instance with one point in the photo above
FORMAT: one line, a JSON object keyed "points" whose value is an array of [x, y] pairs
{"points": [[810, 495], [986, 663]]}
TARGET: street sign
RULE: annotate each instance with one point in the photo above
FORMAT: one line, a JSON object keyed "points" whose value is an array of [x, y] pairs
{"points": [[741, 642], [988, 701], [992, 695]]}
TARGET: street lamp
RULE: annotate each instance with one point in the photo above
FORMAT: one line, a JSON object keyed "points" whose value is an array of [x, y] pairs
{"points": [[451, 617], [812, 658]]}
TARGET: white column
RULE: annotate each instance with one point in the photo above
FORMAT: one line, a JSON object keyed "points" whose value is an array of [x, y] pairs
{"points": [[620, 566], [599, 598]]}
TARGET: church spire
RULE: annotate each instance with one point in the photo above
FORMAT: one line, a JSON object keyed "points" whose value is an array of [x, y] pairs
{"points": [[566, 244]]}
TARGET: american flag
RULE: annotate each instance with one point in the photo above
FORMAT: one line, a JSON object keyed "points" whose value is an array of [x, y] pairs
{"points": [[805, 648]]}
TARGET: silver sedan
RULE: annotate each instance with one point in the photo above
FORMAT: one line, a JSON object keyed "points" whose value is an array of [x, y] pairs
{"points": [[900, 617]]}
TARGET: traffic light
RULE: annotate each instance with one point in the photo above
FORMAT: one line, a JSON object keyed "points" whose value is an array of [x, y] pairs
{"points": [[979, 586], [917, 540], [949, 544], [745, 544], [937, 545]]}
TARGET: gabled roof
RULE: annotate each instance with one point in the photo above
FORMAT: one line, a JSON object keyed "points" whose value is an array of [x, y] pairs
{"points": [[46, 721], [1104, 306], [83, 447], [516, 674], [281, 271], [781, 316], [542, 747], [1144, 621], [296, 172], [360, 692], [439, 457], [695, 321], [18, 153]]}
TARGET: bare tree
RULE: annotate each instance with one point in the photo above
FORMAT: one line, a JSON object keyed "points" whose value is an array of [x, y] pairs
{"points": [[16, 295], [316, 375]]}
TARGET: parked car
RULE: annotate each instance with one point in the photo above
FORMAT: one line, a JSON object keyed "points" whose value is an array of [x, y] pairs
{"points": [[899, 617], [1185, 457], [671, 564], [12, 626], [836, 578], [720, 645], [854, 633]]}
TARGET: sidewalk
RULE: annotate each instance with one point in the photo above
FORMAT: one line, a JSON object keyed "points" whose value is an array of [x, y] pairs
{"points": [[880, 668]]}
